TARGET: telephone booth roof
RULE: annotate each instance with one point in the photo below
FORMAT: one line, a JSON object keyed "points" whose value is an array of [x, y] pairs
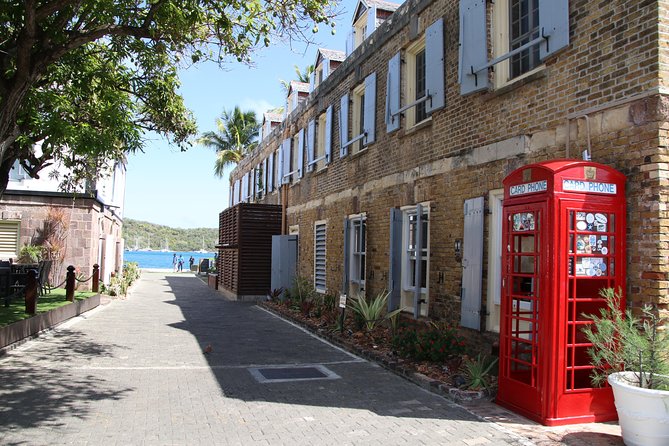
{"points": [[563, 176]]}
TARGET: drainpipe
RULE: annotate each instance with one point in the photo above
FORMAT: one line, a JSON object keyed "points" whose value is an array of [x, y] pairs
{"points": [[284, 207], [588, 152]]}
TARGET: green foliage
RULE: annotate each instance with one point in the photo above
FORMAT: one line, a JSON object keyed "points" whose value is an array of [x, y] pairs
{"points": [[29, 254], [435, 343], [622, 341], [302, 295], [89, 78], [236, 136], [118, 285], [139, 232], [372, 312], [477, 372]]}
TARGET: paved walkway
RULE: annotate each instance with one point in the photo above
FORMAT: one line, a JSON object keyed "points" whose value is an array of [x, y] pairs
{"points": [[134, 372]]}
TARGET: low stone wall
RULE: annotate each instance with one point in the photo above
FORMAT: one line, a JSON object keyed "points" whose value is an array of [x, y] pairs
{"points": [[29, 327]]}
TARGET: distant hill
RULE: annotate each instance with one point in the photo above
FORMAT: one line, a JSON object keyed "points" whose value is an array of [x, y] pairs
{"points": [[144, 234]]}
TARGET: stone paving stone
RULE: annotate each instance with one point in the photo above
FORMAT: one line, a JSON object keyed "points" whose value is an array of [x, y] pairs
{"points": [[135, 373]]}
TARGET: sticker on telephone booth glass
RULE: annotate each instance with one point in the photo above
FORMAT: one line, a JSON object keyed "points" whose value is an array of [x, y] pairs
{"points": [[523, 222]]}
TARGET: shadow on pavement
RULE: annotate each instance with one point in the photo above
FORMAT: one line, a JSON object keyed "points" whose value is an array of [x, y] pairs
{"points": [[36, 395]]}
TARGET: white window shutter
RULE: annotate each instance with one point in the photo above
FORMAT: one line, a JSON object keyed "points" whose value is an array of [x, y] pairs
{"points": [[393, 94], [472, 264], [328, 134], [371, 21], [554, 24], [347, 254], [370, 109], [311, 140], [300, 153], [343, 125], [279, 170], [270, 172], [350, 42], [434, 65], [473, 46]]}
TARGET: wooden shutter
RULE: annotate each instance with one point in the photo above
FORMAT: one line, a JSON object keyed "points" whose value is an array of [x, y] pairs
{"points": [[328, 134], [371, 21], [473, 46], [395, 260], [300, 153], [554, 24], [319, 257], [347, 255], [472, 264], [311, 140], [418, 266], [393, 94], [434, 65], [343, 125], [369, 107]]}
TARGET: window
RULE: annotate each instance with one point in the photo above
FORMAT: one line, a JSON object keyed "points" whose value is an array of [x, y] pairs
{"points": [[414, 252], [415, 263], [360, 30], [358, 118], [319, 256], [17, 172], [294, 163], [320, 142], [276, 175], [517, 22], [358, 244], [416, 83], [9, 239]]}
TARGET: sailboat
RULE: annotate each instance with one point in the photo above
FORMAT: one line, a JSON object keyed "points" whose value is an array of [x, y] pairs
{"points": [[167, 246], [202, 251], [148, 246]]}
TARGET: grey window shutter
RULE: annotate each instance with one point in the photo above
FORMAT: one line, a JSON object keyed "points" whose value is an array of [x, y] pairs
{"points": [[326, 68], [347, 254], [369, 106], [472, 264], [311, 140], [350, 42], [395, 260], [279, 170], [300, 153], [343, 125], [264, 175], [232, 195], [554, 24], [418, 270], [473, 46], [371, 21], [312, 81], [245, 186], [328, 134], [270, 172], [393, 94], [286, 161], [434, 65]]}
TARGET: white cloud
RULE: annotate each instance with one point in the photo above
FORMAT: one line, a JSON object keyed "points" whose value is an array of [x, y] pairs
{"points": [[259, 106]]}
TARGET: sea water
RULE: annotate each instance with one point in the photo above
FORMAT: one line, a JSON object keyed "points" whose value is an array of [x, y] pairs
{"points": [[163, 260]]}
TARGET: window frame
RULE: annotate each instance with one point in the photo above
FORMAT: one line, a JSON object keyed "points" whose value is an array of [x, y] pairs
{"points": [[360, 29], [357, 125], [294, 157], [409, 254], [319, 143], [358, 251], [410, 55]]}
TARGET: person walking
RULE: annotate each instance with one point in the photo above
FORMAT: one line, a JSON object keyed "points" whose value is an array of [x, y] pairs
{"points": [[190, 263], [180, 263], [174, 262]]}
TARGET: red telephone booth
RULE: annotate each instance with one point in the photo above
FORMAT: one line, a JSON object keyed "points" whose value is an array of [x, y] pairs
{"points": [[563, 241]]}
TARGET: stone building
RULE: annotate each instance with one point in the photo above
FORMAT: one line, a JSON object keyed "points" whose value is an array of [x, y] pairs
{"points": [[397, 157]]}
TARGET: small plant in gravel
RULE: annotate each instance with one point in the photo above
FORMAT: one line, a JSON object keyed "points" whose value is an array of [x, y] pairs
{"points": [[477, 372]]}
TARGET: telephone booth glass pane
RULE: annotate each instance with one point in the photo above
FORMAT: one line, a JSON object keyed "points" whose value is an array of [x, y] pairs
{"points": [[523, 295]]}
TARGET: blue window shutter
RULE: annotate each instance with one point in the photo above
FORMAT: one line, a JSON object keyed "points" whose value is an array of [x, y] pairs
{"points": [[395, 260], [311, 139], [328, 134], [393, 94], [369, 106], [418, 271], [286, 161], [279, 170], [326, 68], [270, 172], [554, 24], [371, 21], [300, 153], [350, 42], [264, 176], [472, 264], [434, 65], [347, 252], [473, 46], [343, 125]]}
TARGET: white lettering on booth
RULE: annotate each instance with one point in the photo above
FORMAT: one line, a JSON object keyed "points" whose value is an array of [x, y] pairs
{"points": [[589, 187], [528, 188]]}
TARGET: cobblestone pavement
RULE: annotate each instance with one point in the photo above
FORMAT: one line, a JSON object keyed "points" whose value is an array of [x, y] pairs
{"points": [[136, 372]]}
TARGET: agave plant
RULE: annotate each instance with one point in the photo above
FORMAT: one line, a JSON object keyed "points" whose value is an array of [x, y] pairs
{"points": [[372, 312]]}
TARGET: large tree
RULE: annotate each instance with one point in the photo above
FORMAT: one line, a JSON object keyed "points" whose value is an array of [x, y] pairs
{"points": [[87, 77], [236, 135]]}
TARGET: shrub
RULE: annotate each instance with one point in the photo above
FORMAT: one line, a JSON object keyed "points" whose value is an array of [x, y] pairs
{"points": [[435, 344], [373, 312], [477, 372], [30, 254]]}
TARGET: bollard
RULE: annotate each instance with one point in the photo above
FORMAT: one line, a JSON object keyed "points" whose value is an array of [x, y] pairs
{"points": [[69, 284], [96, 278], [31, 291]]}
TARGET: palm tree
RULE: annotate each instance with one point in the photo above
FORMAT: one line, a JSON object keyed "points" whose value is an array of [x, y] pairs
{"points": [[236, 136], [301, 76]]}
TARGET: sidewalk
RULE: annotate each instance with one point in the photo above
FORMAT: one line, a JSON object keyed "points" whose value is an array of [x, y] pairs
{"points": [[135, 373]]}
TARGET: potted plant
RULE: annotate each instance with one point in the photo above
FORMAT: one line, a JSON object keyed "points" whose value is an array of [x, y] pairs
{"points": [[632, 353]]}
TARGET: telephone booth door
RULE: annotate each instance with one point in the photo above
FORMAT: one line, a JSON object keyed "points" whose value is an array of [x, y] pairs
{"points": [[522, 294]]}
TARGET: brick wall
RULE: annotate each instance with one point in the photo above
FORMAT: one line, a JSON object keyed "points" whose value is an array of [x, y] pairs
{"points": [[613, 71]]}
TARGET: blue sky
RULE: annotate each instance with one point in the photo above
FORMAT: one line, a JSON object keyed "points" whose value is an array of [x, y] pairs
{"points": [[168, 187]]}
